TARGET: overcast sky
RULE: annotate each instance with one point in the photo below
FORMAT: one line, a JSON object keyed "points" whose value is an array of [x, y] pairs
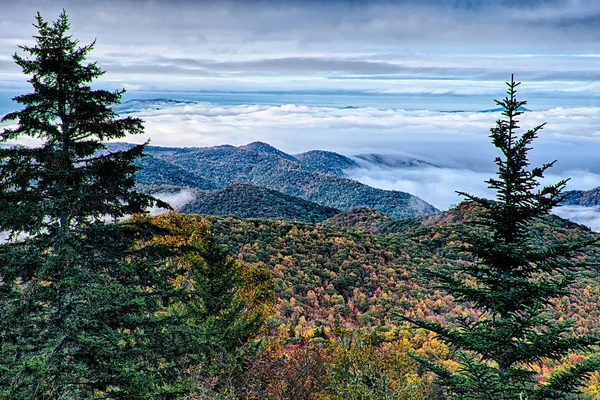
{"points": [[443, 46]]}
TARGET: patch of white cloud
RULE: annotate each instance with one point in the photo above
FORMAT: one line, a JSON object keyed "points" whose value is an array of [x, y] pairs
{"points": [[175, 200], [456, 143], [437, 186], [588, 216], [570, 135]]}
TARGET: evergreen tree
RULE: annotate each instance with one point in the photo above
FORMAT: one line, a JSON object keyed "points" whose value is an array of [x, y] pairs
{"points": [[512, 282], [88, 309], [226, 306]]}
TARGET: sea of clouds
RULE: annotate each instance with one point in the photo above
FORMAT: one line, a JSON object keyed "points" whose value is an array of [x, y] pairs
{"points": [[454, 146]]}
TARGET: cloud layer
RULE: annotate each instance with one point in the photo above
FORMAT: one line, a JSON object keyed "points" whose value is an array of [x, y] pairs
{"points": [[175, 200], [458, 140], [588, 216], [449, 46], [457, 143]]}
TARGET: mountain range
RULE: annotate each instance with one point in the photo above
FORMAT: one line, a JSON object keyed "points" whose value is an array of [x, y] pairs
{"points": [[315, 176], [303, 187]]}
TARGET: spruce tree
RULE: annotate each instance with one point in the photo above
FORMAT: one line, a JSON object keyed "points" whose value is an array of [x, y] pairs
{"points": [[85, 306], [511, 283]]}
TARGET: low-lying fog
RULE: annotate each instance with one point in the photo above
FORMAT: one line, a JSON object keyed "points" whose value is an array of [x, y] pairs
{"points": [[446, 151]]}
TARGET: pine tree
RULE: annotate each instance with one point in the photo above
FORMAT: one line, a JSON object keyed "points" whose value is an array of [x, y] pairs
{"points": [[226, 306], [511, 283], [88, 309], [67, 181]]}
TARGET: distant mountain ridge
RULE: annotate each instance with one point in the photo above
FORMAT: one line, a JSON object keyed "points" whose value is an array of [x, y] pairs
{"points": [[393, 161], [326, 162], [135, 105], [315, 176], [263, 165], [586, 198]]}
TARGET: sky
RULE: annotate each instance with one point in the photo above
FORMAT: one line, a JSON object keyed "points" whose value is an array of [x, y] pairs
{"points": [[409, 47], [349, 76]]}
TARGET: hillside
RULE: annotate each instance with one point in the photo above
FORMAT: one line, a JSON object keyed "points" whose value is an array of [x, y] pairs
{"points": [[263, 165], [372, 221], [154, 171], [244, 200], [315, 176], [362, 219], [587, 198], [326, 162], [326, 273]]}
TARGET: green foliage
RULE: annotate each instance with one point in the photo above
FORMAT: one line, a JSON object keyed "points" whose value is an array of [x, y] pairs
{"points": [[249, 201], [262, 165], [86, 322], [227, 300], [90, 309], [511, 283], [364, 366], [65, 182], [70, 308], [225, 306]]}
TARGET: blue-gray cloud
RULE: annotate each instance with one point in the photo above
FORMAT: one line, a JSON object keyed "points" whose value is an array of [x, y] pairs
{"points": [[272, 43]]}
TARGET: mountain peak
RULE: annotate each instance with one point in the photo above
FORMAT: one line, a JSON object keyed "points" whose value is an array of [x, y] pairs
{"points": [[259, 146], [262, 147], [326, 162]]}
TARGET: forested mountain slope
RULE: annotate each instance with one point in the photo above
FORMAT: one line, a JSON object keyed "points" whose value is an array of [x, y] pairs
{"points": [[248, 201], [327, 162], [262, 165], [155, 171], [587, 198], [326, 273]]}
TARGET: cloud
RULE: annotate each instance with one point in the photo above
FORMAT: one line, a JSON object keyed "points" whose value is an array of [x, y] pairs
{"points": [[200, 45], [457, 140], [436, 186], [175, 200], [588, 216], [457, 143]]}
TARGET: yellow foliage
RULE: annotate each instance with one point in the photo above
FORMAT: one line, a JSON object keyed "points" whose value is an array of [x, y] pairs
{"points": [[593, 387], [188, 233]]}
